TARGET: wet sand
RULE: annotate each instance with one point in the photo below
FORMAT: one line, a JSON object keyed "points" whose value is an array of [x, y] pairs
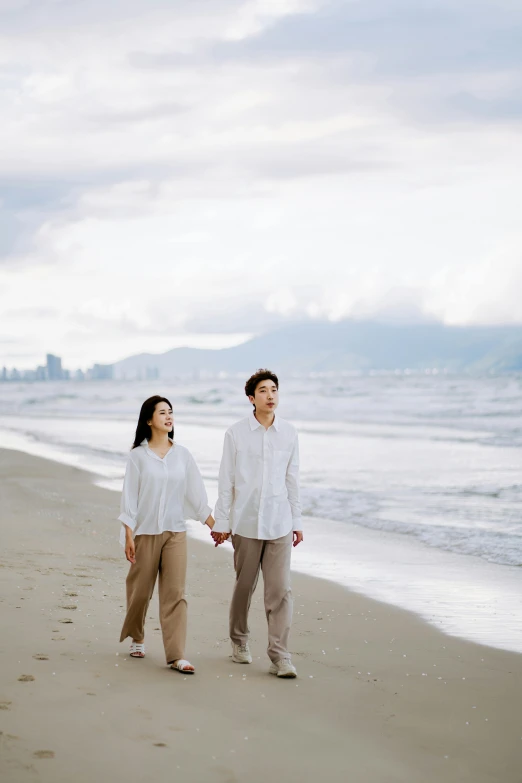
{"points": [[381, 696]]}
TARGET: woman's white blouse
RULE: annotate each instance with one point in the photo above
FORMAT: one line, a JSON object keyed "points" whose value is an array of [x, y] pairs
{"points": [[161, 494]]}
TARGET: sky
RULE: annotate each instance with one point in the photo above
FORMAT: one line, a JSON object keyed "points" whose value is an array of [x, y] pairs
{"points": [[192, 172]]}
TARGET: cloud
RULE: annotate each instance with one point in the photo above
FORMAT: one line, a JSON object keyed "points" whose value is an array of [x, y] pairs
{"points": [[24, 206], [393, 37], [173, 171], [433, 59], [147, 113], [279, 306], [506, 107]]}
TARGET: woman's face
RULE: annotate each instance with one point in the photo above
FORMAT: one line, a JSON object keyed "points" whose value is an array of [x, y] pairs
{"points": [[162, 419]]}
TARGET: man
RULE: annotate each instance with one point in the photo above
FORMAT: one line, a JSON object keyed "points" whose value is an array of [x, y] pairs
{"points": [[259, 504]]}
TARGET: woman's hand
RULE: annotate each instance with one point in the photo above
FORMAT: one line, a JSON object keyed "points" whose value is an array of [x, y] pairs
{"points": [[297, 536], [210, 521], [130, 547]]}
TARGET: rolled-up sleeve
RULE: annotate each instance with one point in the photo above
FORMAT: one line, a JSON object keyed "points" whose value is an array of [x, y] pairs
{"points": [[195, 504], [226, 483], [129, 498], [292, 486]]}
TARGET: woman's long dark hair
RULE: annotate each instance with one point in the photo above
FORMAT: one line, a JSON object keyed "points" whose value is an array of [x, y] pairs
{"points": [[143, 431]]}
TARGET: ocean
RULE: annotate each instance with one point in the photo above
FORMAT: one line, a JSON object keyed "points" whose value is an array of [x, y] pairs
{"points": [[411, 483]]}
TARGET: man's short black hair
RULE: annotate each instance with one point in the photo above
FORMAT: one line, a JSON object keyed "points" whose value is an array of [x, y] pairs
{"points": [[254, 380]]}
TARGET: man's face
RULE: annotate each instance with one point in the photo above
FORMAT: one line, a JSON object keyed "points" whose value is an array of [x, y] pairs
{"points": [[266, 397]]}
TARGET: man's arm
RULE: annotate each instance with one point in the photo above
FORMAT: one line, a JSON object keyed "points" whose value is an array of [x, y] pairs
{"points": [[292, 488], [226, 483]]}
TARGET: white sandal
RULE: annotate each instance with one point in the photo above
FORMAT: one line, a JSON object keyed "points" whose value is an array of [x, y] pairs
{"points": [[137, 650], [181, 666]]}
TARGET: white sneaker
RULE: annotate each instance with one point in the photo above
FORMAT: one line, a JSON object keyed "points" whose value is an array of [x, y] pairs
{"points": [[241, 653], [283, 668]]}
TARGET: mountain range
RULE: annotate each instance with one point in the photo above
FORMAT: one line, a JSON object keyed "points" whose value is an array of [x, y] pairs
{"points": [[323, 346]]}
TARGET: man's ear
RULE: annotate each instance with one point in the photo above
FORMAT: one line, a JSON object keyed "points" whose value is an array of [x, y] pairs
{"points": [[252, 399]]}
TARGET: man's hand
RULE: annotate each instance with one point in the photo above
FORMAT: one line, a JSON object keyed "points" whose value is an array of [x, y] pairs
{"points": [[130, 549], [298, 537], [219, 538]]}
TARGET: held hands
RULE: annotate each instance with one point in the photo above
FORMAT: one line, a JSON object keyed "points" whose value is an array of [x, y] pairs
{"points": [[298, 537], [219, 538]]}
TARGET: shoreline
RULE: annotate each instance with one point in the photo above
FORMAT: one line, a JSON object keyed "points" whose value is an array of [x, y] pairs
{"points": [[381, 697], [464, 595]]}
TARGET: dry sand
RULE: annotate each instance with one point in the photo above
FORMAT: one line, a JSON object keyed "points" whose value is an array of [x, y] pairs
{"points": [[381, 696]]}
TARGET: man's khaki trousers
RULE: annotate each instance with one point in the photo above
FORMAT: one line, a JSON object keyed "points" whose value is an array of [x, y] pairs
{"points": [[166, 555], [273, 558]]}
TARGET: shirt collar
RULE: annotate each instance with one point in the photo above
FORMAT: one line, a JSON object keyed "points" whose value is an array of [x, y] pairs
{"points": [[255, 424], [145, 442]]}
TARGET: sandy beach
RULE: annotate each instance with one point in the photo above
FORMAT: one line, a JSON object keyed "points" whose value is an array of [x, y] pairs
{"points": [[381, 696]]}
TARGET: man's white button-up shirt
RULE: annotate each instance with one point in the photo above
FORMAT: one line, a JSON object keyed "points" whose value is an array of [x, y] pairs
{"points": [[259, 480]]}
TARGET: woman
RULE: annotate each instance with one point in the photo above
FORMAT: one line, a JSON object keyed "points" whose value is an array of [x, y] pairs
{"points": [[162, 488]]}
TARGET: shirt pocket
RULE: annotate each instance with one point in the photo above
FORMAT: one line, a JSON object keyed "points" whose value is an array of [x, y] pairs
{"points": [[281, 458], [249, 466]]}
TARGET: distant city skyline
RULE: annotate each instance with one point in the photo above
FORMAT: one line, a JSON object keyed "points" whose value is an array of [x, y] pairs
{"points": [[52, 370], [195, 173], [345, 347]]}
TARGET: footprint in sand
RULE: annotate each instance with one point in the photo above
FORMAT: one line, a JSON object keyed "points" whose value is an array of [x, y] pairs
{"points": [[5, 705], [58, 639], [160, 744], [26, 678], [65, 622], [71, 595], [69, 607], [40, 657], [44, 754]]}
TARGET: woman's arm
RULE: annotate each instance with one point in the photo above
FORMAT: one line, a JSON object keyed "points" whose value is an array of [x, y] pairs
{"points": [[196, 502], [129, 508]]}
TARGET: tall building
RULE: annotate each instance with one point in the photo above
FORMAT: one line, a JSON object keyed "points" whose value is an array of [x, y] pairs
{"points": [[151, 374], [102, 372], [54, 368]]}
